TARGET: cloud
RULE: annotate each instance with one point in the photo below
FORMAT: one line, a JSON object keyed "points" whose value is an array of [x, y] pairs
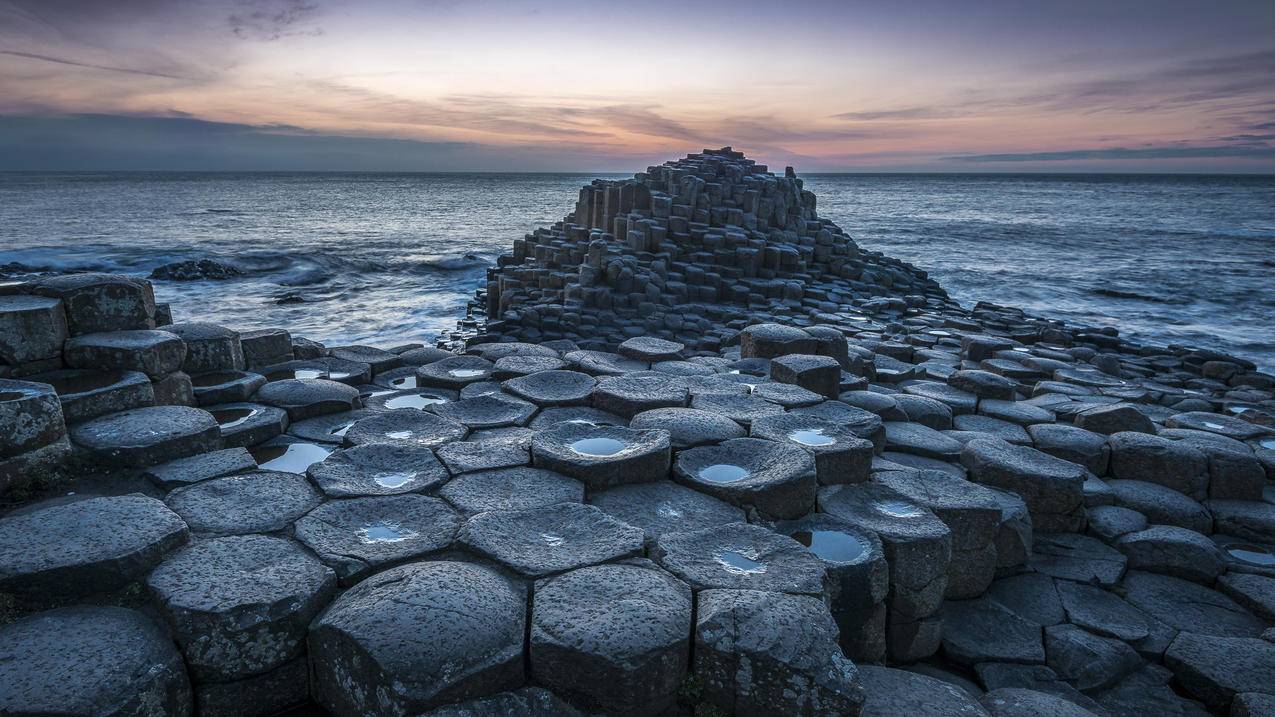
{"points": [[906, 113], [1123, 153], [90, 65], [273, 19]]}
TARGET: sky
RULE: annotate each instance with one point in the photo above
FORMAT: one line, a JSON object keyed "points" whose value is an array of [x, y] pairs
{"points": [[514, 85]]}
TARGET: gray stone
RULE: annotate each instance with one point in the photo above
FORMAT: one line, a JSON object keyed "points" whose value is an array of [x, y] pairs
{"points": [[927, 411], [1253, 704], [1108, 522], [920, 440], [469, 456], [1146, 691], [1020, 412], [771, 340], [1078, 557], [982, 630], [359, 535], [1073, 444], [212, 596], [760, 653], [308, 397], [225, 386], [514, 366], [30, 415], [416, 637], [1162, 505], [983, 384], [85, 547], [254, 502], [511, 489], [664, 507], [1102, 612], [819, 374], [269, 693], [553, 388], [1251, 520], [328, 428], [491, 411], [1217, 423], [209, 347], [378, 469], [1031, 596], [263, 347], [998, 676], [891, 693], [575, 414], [840, 455], [601, 363], [689, 427], [1215, 669], [1189, 607], [602, 456], [614, 639], [1018, 702], [405, 428], [742, 557], [455, 372], [1256, 593], [743, 409], [248, 424], [32, 328], [1088, 661], [1152, 459], [776, 479], [1174, 551], [1051, 487], [650, 349], [379, 359], [995, 427], [88, 660], [1115, 418], [101, 302], [629, 395], [524, 702], [541, 541], [203, 466]]}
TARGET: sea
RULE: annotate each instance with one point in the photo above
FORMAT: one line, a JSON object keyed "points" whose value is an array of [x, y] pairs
{"points": [[393, 258]]}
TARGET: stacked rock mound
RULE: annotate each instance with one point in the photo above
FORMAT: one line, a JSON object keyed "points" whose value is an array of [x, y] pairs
{"points": [[690, 251], [904, 509]]}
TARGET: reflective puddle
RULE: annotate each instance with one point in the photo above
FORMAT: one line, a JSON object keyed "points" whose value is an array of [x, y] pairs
{"points": [[296, 373], [832, 545], [666, 510], [467, 372], [393, 480], [399, 435], [811, 437], [740, 562], [231, 417], [1252, 554], [291, 458], [1267, 443], [404, 382], [723, 473], [552, 540], [383, 532], [897, 509], [415, 400], [341, 430], [599, 447]]}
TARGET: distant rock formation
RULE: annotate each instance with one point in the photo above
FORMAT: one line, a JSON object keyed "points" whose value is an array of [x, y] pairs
{"points": [[691, 250]]}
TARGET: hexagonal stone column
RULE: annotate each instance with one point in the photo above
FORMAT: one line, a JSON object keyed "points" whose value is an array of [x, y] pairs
{"points": [[214, 596], [543, 541], [820, 374], [85, 547], [253, 502], [759, 653], [147, 436], [614, 639], [665, 507], [405, 428], [553, 388], [359, 535], [858, 579], [971, 511], [776, 479], [840, 455], [30, 415], [416, 637], [101, 302], [630, 395], [741, 556], [85, 660], [1052, 488], [378, 469], [602, 456], [306, 398], [688, 427], [155, 353], [32, 328], [518, 488], [455, 372], [771, 340], [209, 347]]}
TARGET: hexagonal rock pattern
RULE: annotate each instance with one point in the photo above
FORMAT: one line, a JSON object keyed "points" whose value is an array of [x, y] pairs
{"points": [[146, 436], [542, 541], [741, 556], [689, 427], [602, 456], [613, 639], [378, 469], [240, 605], [405, 428], [490, 411], [524, 702], [840, 455], [101, 302], [359, 535], [892, 693], [253, 502], [665, 507], [509, 489], [776, 479], [306, 398], [85, 660], [419, 636], [455, 372], [760, 653], [209, 347], [553, 388], [630, 395], [1052, 488], [31, 414], [1216, 669], [83, 547]]}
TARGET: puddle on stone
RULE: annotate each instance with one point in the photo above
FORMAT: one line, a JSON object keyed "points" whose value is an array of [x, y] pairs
{"points": [[340, 375], [937, 332], [600, 447], [231, 417], [290, 458], [897, 509], [1237, 410], [583, 422], [466, 372], [399, 435], [552, 540], [83, 383], [415, 400], [393, 480], [723, 473], [383, 532], [811, 437], [1267, 443], [296, 373], [365, 395], [666, 510], [1214, 426], [216, 378], [1252, 554], [832, 545], [1021, 350], [404, 382], [740, 563]]}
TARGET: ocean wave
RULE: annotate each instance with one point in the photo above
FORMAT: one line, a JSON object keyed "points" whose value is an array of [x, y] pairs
{"points": [[1139, 296]]}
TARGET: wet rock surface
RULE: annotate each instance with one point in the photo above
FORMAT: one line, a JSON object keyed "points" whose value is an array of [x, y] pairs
{"points": [[693, 442]]}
